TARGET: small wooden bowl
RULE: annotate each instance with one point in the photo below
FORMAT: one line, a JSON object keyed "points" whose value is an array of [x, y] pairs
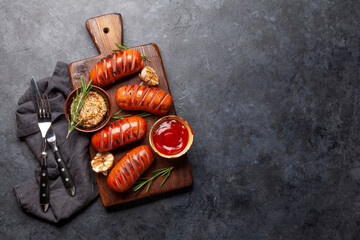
{"points": [[181, 120], [105, 120]]}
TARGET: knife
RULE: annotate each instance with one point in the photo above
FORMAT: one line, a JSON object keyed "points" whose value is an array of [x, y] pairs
{"points": [[63, 170], [51, 139]]}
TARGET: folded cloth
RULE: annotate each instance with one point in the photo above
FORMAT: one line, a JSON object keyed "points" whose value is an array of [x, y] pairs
{"points": [[74, 150]]}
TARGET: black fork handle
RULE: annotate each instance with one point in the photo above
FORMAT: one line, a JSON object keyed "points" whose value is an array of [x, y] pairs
{"points": [[44, 184]]}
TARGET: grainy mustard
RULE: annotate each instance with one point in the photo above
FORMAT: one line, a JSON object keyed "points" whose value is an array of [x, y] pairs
{"points": [[93, 110]]}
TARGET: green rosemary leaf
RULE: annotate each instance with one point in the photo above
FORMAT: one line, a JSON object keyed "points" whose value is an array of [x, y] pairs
{"points": [[167, 175], [148, 185], [121, 47], [163, 174], [145, 58], [141, 182], [145, 114], [159, 170], [118, 115]]}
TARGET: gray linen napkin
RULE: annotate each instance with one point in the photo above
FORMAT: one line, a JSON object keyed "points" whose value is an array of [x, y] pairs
{"points": [[74, 150]]}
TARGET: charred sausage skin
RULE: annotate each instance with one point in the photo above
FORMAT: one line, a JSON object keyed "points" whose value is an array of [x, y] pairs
{"points": [[119, 133], [130, 167], [144, 98], [115, 66]]}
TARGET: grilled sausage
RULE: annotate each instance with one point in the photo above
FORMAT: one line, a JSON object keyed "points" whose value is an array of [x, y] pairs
{"points": [[145, 98], [117, 65], [125, 173], [119, 133]]}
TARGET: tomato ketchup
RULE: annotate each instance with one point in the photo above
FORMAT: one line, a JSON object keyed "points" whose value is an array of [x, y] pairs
{"points": [[170, 137]]}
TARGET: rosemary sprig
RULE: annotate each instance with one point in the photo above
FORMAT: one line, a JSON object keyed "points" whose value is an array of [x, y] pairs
{"points": [[141, 182], [124, 47], [78, 102], [145, 58], [121, 47], [118, 115]]}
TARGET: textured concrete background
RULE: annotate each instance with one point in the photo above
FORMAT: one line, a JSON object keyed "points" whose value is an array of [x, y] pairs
{"points": [[270, 88]]}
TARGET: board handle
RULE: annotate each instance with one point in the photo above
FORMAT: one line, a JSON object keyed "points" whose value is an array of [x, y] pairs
{"points": [[104, 31]]}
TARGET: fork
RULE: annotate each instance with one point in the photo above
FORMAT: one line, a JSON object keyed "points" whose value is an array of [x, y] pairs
{"points": [[44, 122]]}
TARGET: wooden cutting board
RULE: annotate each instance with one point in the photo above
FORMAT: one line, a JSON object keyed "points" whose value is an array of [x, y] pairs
{"points": [[105, 30]]}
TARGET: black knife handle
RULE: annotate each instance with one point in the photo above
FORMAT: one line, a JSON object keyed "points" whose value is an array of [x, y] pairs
{"points": [[44, 187], [64, 173]]}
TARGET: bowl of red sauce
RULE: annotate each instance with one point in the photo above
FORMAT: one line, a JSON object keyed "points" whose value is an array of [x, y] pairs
{"points": [[171, 136]]}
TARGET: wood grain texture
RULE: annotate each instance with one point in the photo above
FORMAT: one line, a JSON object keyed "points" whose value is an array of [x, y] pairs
{"points": [[105, 30], [181, 176]]}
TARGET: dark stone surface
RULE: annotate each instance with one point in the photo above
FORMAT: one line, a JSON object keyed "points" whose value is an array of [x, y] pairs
{"points": [[270, 88]]}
